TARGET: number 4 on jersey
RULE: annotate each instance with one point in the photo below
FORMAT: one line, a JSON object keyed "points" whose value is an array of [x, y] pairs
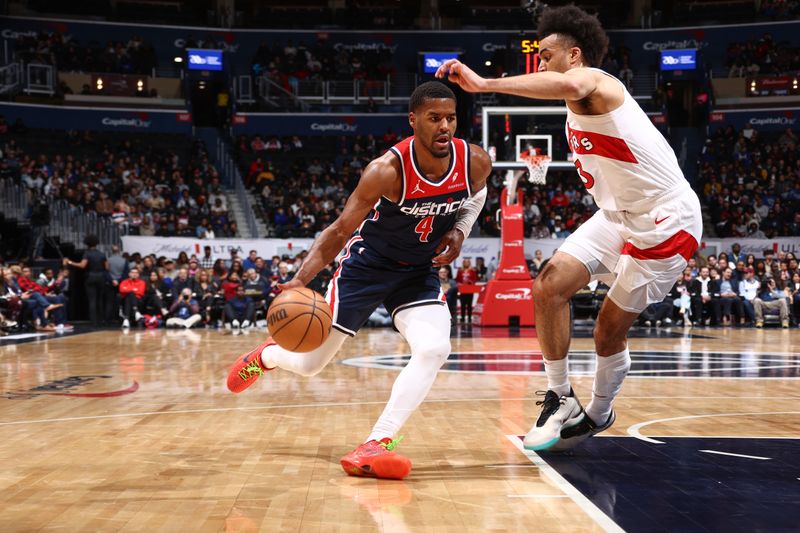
{"points": [[424, 228]]}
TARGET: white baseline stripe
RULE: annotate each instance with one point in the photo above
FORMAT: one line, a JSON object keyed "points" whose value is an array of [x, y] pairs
{"points": [[635, 430], [574, 494], [651, 374], [738, 455], [538, 496]]}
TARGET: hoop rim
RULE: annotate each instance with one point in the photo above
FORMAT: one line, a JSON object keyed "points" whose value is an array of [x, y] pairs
{"points": [[534, 158]]}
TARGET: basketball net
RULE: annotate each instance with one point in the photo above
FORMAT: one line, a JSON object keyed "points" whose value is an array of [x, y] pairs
{"points": [[537, 173], [537, 167]]}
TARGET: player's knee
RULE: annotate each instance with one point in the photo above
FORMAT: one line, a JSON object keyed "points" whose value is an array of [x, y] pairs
{"points": [[433, 350], [548, 288], [608, 341]]}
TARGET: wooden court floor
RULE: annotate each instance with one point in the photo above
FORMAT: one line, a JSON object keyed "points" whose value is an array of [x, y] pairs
{"points": [[107, 431]]}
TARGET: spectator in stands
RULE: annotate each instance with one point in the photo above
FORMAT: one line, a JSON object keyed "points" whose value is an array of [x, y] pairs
{"points": [[117, 266], [658, 313], [97, 280], [748, 290], [33, 301], [18, 304], [170, 268], [53, 302], [256, 288], [705, 298], [730, 302], [284, 275], [131, 294], [682, 299], [736, 253], [219, 272], [480, 269], [156, 296], [184, 281], [207, 261], [466, 275], [209, 297], [194, 267], [250, 261], [229, 285], [450, 289], [239, 311], [794, 289], [184, 311], [770, 298], [626, 75]]}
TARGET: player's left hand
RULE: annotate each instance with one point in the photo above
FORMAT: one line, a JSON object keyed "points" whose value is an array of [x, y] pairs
{"points": [[449, 248]]}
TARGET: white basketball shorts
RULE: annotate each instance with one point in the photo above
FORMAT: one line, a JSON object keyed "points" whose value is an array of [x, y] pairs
{"points": [[639, 255]]}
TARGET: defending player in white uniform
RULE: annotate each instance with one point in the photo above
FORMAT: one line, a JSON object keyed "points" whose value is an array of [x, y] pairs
{"points": [[648, 225]]}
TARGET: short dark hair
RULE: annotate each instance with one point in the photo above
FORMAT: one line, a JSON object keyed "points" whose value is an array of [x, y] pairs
{"points": [[91, 241], [429, 90], [576, 24]]}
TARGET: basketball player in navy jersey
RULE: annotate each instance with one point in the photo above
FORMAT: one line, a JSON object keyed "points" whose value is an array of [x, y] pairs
{"points": [[647, 227], [410, 212]]}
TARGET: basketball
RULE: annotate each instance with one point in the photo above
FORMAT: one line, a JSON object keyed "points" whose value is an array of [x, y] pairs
{"points": [[299, 320]]}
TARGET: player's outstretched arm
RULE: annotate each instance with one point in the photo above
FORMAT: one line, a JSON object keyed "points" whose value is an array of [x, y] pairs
{"points": [[575, 84], [450, 246], [377, 180]]}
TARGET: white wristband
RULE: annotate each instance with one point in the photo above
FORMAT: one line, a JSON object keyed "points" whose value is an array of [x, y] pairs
{"points": [[469, 211]]}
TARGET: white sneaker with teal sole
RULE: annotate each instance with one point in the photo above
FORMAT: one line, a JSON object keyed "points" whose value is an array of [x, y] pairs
{"points": [[558, 413], [574, 435]]}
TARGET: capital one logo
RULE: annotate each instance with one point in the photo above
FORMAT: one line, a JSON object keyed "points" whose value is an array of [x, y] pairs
{"points": [[514, 244], [519, 269], [518, 295], [513, 216]]}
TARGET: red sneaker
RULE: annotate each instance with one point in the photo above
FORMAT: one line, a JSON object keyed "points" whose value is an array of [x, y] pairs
{"points": [[247, 368], [376, 459]]}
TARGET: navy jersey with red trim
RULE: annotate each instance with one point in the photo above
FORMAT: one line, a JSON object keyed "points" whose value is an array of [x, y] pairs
{"points": [[410, 230]]}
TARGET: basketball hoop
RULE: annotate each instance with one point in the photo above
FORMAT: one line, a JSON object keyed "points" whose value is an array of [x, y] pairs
{"points": [[537, 167]]}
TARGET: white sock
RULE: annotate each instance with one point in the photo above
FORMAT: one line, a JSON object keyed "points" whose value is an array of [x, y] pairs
{"points": [[305, 364], [611, 371], [557, 376], [427, 331]]}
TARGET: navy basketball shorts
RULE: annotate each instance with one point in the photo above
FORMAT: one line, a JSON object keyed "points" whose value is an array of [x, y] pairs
{"points": [[365, 280]]}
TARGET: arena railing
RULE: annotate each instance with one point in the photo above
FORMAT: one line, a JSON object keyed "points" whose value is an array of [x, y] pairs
{"points": [[230, 173], [10, 79], [394, 89], [72, 224], [14, 200]]}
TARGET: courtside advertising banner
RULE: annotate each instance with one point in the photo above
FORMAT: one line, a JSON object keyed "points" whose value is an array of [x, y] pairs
{"points": [[220, 248], [486, 247]]}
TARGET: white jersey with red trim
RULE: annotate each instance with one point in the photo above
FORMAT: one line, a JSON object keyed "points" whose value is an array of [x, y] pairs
{"points": [[622, 159]]}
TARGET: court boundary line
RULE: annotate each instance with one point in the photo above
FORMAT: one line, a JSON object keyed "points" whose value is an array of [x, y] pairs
{"points": [[381, 402], [373, 362], [635, 430], [729, 454], [586, 505]]}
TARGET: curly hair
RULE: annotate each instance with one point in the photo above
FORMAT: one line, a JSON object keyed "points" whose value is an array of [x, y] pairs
{"points": [[583, 29], [429, 89]]}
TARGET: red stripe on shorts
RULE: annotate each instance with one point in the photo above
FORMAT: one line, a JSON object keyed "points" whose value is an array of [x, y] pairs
{"points": [[682, 243], [336, 274]]}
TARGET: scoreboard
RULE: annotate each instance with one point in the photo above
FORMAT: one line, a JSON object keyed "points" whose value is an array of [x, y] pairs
{"points": [[530, 51]]}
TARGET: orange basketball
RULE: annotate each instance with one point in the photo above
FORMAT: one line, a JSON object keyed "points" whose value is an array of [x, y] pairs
{"points": [[299, 320]]}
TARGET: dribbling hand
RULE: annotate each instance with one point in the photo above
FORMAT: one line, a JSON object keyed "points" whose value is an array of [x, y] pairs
{"points": [[291, 284], [449, 248], [460, 74]]}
